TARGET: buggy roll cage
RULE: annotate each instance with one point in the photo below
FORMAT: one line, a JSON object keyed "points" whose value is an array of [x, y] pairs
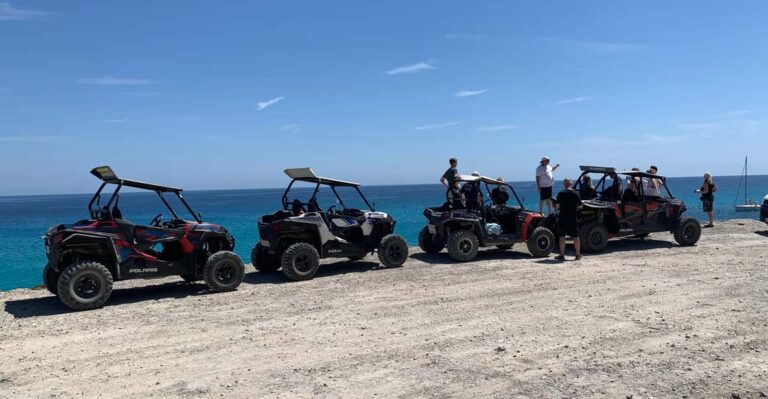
{"points": [[488, 181], [107, 176], [307, 175], [633, 174]]}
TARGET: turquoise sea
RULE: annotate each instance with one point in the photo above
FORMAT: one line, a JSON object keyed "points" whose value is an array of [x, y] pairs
{"points": [[24, 219]]}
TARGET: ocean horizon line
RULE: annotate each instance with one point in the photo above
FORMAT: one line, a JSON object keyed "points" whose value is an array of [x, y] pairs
{"points": [[512, 182]]}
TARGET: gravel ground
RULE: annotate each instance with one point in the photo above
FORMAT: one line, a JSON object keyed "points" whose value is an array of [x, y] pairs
{"points": [[645, 319]]}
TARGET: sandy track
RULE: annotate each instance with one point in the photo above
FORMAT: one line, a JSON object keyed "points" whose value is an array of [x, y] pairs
{"points": [[648, 319]]}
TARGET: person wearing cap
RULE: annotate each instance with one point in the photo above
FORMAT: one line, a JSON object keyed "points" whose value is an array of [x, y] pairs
{"points": [[450, 179], [545, 179], [472, 193], [499, 194], [568, 204]]}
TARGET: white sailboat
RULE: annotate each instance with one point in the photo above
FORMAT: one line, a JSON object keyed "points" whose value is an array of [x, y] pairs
{"points": [[748, 204]]}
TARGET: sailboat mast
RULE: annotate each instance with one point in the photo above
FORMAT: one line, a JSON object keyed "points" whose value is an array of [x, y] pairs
{"points": [[746, 173]]}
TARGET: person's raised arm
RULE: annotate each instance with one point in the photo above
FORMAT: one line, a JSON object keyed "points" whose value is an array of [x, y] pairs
{"points": [[555, 167]]}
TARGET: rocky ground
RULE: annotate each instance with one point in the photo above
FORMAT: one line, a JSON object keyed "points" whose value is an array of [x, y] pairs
{"points": [[645, 319]]}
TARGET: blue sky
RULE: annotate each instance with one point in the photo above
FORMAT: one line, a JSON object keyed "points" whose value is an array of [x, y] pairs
{"points": [[227, 94]]}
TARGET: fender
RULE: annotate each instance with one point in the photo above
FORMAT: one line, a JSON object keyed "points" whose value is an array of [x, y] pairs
{"points": [[524, 227]]}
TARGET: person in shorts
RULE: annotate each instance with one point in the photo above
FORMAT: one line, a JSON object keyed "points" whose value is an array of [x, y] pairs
{"points": [[707, 191], [568, 203], [545, 179], [450, 179]]}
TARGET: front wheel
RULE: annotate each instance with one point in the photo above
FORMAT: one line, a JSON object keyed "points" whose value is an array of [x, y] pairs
{"points": [[85, 285], [688, 231], [263, 261], [463, 245], [300, 261], [223, 271], [594, 237], [51, 279], [428, 243], [541, 242], [393, 251]]}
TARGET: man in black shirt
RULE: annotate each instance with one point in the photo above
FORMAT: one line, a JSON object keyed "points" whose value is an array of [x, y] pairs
{"points": [[499, 194], [568, 203], [450, 179]]}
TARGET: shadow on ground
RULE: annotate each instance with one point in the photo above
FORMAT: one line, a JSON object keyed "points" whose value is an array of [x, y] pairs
{"points": [[763, 233], [50, 305], [326, 270]]}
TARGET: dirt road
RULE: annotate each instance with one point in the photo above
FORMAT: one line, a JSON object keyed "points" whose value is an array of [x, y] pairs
{"points": [[647, 318]]}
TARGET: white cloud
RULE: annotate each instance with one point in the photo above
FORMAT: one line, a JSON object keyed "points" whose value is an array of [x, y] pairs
{"points": [[262, 105], [32, 139], [11, 13], [738, 112], [292, 128], [414, 68], [438, 126], [116, 120], [470, 93], [602, 141], [497, 128], [463, 36], [606, 47], [113, 81], [698, 126], [572, 100]]}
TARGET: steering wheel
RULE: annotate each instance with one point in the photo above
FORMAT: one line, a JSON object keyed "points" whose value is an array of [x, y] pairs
{"points": [[156, 220], [331, 209]]}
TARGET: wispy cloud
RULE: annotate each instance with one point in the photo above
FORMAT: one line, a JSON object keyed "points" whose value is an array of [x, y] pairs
{"points": [[262, 105], [698, 126], [738, 112], [470, 93], [116, 120], [113, 81], [602, 141], [498, 128], [32, 139], [438, 126], [293, 128], [607, 47], [414, 68], [11, 13], [463, 36], [572, 100]]}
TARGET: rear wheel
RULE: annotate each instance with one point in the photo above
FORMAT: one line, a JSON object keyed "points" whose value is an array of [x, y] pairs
{"points": [[300, 261], [594, 237], [51, 279], [393, 251], [223, 271], [463, 245], [262, 260], [688, 231], [428, 243], [541, 242], [85, 285]]}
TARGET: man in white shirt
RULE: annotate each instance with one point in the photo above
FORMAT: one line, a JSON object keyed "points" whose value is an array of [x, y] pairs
{"points": [[545, 179]]}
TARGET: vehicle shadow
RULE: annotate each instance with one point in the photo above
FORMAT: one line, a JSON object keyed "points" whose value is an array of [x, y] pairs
{"points": [[51, 305], [326, 270], [442, 257], [763, 233]]}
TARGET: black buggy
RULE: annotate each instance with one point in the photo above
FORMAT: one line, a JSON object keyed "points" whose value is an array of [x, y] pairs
{"points": [[296, 237], [463, 231], [86, 257], [611, 211]]}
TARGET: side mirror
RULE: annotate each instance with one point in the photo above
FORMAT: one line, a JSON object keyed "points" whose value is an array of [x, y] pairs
{"points": [[373, 205], [200, 216]]}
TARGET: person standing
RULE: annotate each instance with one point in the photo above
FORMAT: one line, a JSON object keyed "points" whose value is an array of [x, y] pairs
{"points": [[568, 204], [707, 191], [652, 187], [451, 176], [545, 179]]}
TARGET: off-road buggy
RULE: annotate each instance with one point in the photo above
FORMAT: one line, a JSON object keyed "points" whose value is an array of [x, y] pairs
{"points": [[609, 212], [463, 231], [296, 237], [86, 257]]}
